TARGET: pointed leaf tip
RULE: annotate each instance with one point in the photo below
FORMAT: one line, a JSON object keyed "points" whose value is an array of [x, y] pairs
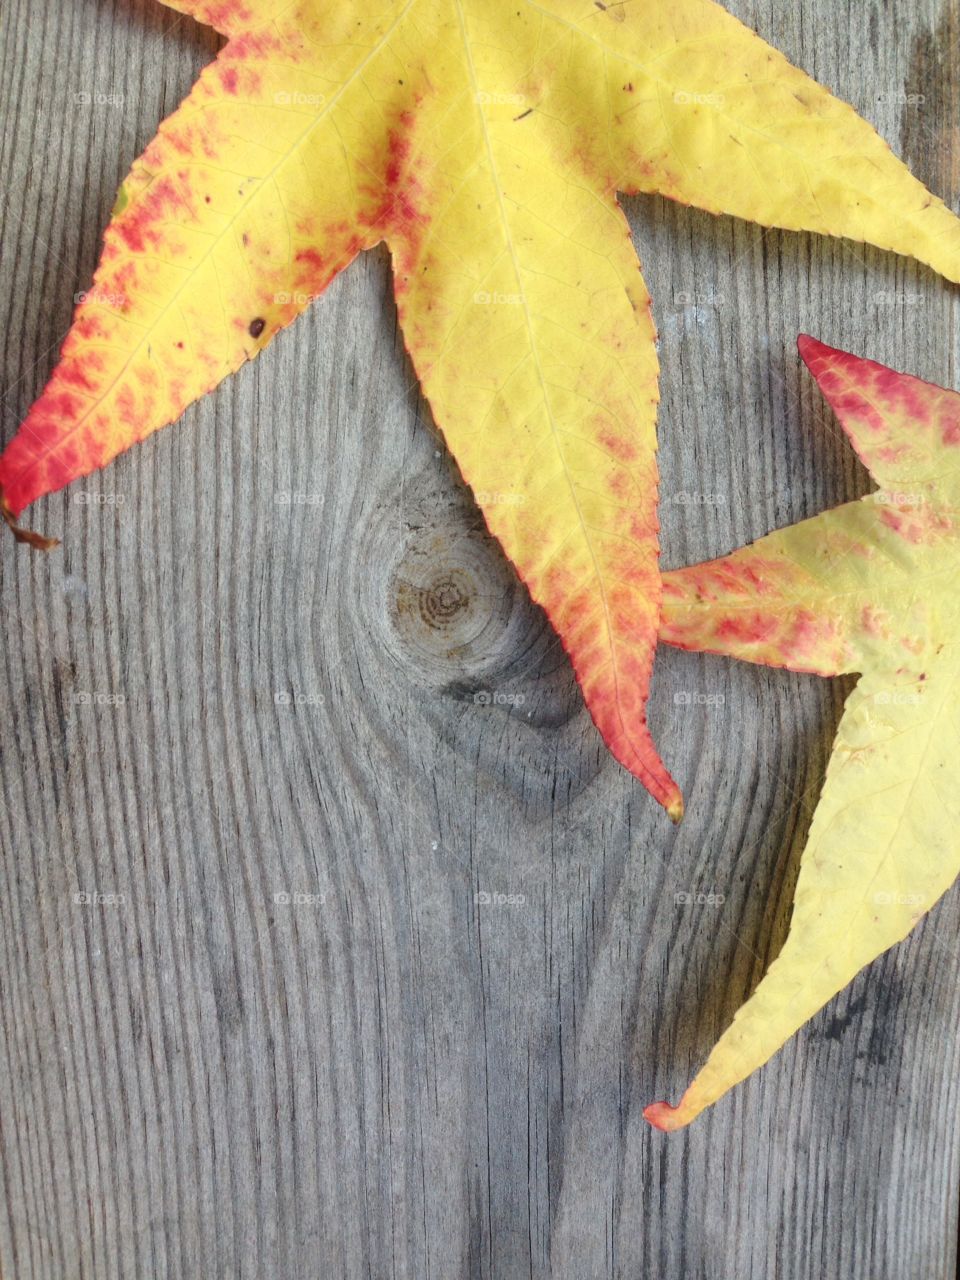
{"points": [[901, 426], [666, 1118], [815, 354], [810, 348]]}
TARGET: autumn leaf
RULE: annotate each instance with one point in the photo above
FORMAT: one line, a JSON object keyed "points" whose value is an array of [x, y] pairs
{"points": [[869, 587], [485, 143]]}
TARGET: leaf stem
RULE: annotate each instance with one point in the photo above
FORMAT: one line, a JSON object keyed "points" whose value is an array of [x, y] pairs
{"points": [[35, 540]]}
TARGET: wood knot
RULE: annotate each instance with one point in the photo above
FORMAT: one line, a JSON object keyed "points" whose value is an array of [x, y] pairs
{"points": [[440, 602], [448, 602], [455, 643]]}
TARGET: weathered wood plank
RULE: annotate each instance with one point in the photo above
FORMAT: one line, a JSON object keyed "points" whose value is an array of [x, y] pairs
{"points": [[282, 611]]}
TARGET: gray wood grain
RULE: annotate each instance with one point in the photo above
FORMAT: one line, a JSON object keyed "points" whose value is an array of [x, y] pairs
{"points": [[255, 1020]]}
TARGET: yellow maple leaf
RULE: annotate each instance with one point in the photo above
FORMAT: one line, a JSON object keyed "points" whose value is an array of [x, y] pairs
{"points": [[869, 587], [485, 143]]}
